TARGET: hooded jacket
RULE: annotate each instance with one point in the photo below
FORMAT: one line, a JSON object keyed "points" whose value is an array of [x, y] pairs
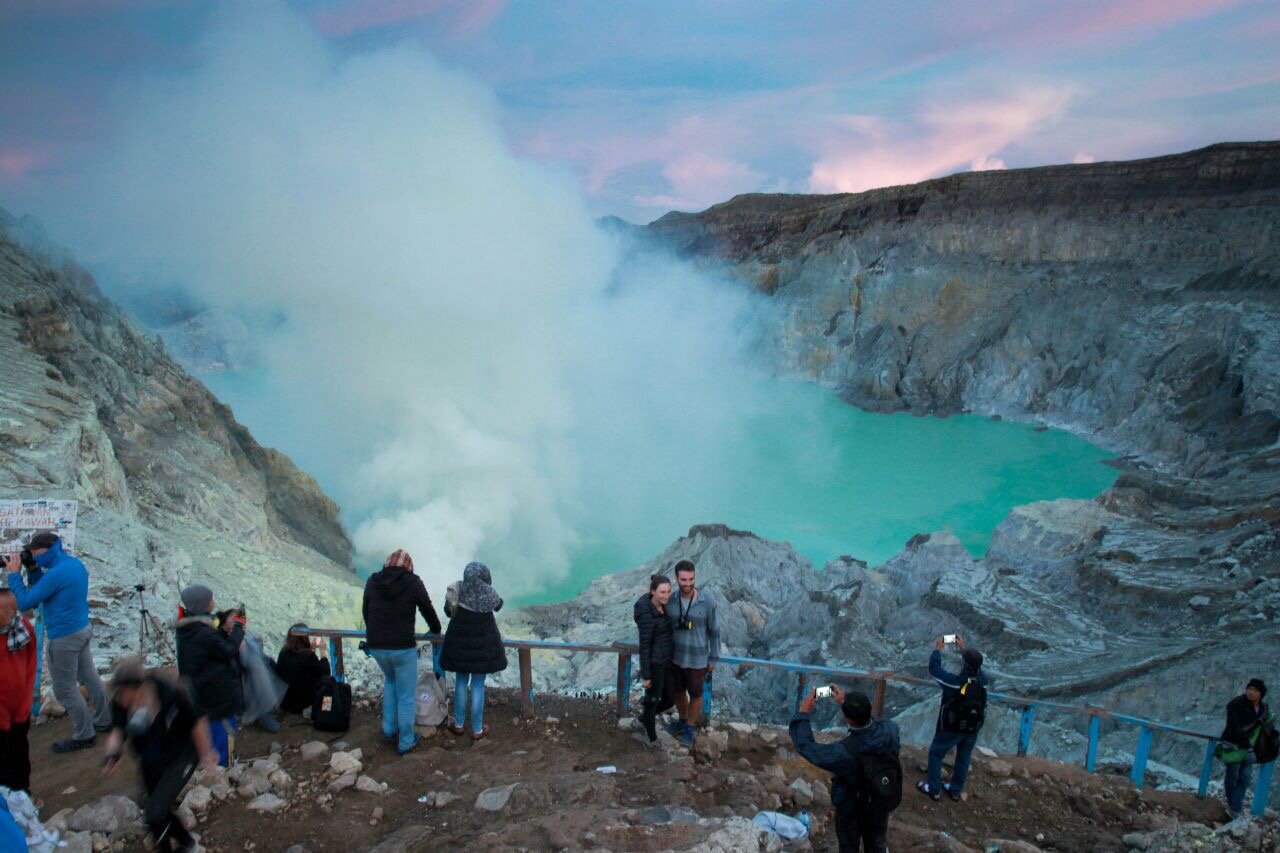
{"points": [[473, 643], [842, 759], [951, 682], [17, 679], [657, 646], [63, 590], [391, 598], [209, 662], [1243, 720]]}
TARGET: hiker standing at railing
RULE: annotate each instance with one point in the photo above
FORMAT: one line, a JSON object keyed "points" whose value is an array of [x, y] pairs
{"points": [[963, 711], [656, 650], [1248, 719], [472, 645], [696, 634]]}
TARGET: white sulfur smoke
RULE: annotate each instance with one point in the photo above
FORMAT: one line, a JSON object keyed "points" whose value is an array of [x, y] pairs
{"points": [[466, 359]]}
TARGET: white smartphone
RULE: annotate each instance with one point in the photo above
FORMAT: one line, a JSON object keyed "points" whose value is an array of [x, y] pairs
{"points": [[949, 639], [823, 692]]}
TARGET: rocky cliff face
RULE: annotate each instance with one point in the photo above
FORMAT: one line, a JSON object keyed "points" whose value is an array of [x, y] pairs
{"points": [[1136, 303], [172, 489]]}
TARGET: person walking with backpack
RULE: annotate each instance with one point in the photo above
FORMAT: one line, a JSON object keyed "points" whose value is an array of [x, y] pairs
{"points": [[472, 645], [866, 782], [392, 599], [963, 711], [1247, 719]]}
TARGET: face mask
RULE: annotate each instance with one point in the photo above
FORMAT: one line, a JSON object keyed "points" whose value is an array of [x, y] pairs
{"points": [[139, 722]]}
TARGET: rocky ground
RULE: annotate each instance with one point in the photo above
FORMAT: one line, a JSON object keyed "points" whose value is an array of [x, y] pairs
{"points": [[537, 785]]}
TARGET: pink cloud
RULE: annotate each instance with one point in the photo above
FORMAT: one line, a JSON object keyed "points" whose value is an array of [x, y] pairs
{"points": [[460, 16], [863, 152], [16, 164]]}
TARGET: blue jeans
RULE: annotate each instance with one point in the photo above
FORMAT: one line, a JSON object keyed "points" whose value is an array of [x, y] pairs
{"points": [[399, 688], [223, 734], [944, 742], [475, 680], [1236, 784]]}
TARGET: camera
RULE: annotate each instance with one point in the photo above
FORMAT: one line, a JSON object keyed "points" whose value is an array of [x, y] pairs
{"points": [[28, 559], [684, 625]]}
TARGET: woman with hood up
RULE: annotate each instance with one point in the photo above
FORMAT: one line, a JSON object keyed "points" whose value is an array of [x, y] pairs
{"points": [[472, 644]]}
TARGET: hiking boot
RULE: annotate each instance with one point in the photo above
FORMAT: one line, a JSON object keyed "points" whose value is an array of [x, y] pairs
{"points": [[480, 735], [71, 744], [955, 795], [457, 730], [675, 727], [923, 787], [686, 736]]}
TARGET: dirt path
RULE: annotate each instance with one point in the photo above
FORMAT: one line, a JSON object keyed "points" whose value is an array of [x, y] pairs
{"points": [[561, 801]]}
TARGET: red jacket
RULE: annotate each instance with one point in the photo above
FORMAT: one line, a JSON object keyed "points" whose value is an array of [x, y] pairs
{"points": [[17, 680]]}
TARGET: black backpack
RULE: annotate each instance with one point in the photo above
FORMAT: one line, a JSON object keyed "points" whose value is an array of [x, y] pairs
{"points": [[966, 711], [331, 710], [1267, 747], [879, 780]]}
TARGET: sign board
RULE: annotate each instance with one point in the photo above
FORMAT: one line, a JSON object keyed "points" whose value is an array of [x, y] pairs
{"points": [[20, 520]]}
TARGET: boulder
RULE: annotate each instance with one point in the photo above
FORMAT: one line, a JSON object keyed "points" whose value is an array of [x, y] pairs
{"points": [[370, 785], [343, 782], [107, 815], [198, 798], [345, 762], [495, 799], [268, 803], [802, 791], [313, 749]]}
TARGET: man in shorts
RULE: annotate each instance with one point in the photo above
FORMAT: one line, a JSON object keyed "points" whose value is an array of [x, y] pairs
{"points": [[697, 641]]}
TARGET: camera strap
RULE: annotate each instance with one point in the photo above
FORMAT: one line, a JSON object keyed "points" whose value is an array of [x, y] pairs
{"points": [[684, 614]]}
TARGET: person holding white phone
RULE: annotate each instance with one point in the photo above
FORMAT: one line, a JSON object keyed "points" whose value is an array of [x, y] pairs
{"points": [[963, 711]]}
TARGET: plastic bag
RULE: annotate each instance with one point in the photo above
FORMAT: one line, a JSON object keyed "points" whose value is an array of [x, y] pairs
{"points": [[430, 708], [786, 826], [263, 689]]}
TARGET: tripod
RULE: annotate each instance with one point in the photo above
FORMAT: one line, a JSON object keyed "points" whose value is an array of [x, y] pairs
{"points": [[148, 631]]}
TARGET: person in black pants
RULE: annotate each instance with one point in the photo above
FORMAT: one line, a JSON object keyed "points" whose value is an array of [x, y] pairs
{"points": [[300, 667], [169, 738], [657, 650]]}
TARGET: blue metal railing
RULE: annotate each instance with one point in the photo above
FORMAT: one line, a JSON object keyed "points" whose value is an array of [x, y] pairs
{"points": [[1027, 707]]}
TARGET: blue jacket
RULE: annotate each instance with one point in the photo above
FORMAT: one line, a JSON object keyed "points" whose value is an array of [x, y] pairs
{"points": [[841, 758], [951, 682], [63, 589]]}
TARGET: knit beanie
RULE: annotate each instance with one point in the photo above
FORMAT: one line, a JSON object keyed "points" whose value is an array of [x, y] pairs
{"points": [[1259, 684], [399, 559], [197, 598]]}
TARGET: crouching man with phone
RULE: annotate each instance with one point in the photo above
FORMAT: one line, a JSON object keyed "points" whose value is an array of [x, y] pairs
{"points": [[866, 783]]}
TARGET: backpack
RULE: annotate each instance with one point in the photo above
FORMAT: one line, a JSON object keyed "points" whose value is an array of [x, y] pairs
{"points": [[331, 711], [966, 711], [430, 708], [879, 780], [1266, 747]]}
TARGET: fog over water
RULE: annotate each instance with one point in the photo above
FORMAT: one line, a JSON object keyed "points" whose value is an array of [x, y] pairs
{"points": [[470, 365]]}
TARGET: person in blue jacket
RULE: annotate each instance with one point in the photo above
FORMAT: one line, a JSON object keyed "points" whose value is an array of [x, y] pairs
{"points": [[964, 698], [62, 589]]}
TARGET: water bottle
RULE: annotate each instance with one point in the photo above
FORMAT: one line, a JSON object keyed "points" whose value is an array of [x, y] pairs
{"points": [[804, 818]]}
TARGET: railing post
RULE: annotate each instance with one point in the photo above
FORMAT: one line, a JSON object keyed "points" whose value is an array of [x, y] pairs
{"points": [[877, 698], [526, 683], [1140, 756], [1091, 753], [624, 683], [1206, 769], [1262, 789], [436, 648], [801, 689], [335, 655], [1024, 728], [706, 700], [39, 626]]}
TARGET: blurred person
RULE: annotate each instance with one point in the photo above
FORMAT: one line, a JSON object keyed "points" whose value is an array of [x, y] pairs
{"points": [[209, 663], [472, 645], [63, 590], [169, 737], [392, 599], [18, 665]]}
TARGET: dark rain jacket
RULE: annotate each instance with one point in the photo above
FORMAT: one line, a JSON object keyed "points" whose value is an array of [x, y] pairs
{"points": [[392, 597], [473, 643], [841, 759], [951, 682], [657, 646], [209, 663], [1242, 720]]}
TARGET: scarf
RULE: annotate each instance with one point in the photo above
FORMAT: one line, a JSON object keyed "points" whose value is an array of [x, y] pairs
{"points": [[17, 635], [476, 592]]}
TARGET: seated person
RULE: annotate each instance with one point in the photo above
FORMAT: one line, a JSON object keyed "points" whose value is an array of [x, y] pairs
{"points": [[302, 669]]}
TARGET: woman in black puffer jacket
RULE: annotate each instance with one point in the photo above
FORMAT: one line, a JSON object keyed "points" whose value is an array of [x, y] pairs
{"points": [[472, 644], [657, 646]]}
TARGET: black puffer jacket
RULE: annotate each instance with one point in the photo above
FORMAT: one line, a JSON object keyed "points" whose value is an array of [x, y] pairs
{"points": [[473, 643], [302, 671], [209, 663], [391, 598], [657, 645], [1242, 719]]}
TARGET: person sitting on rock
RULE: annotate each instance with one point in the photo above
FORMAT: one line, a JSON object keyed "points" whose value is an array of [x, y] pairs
{"points": [[963, 711], [302, 665], [866, 784], [657, 649], [392, 599], [63, 590], [169, 738], [209, 663], [18, 665], [1247, 714], [472, 645]]}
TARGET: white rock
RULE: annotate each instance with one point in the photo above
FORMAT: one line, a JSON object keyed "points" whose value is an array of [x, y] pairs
{"points": [[187, 817], [1198, 602], [281, 780], [198, 798], [625, 723], [109, 814], [803, 791], [370, 785], [266, 803], [495, 799], [343, 782], [741, 728], [345, 762], [313, 749]]}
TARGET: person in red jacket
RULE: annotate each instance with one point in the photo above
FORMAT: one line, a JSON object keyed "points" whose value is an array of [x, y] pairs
{"points": [[17, 686]]}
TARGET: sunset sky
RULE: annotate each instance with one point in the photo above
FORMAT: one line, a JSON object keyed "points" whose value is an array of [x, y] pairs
{"points": [[662, 105]]}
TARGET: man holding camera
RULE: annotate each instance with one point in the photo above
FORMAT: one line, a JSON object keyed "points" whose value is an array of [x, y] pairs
{"points": [[866, 783], [696, 632], [60, 583], [963, 711], [209, 662]]}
